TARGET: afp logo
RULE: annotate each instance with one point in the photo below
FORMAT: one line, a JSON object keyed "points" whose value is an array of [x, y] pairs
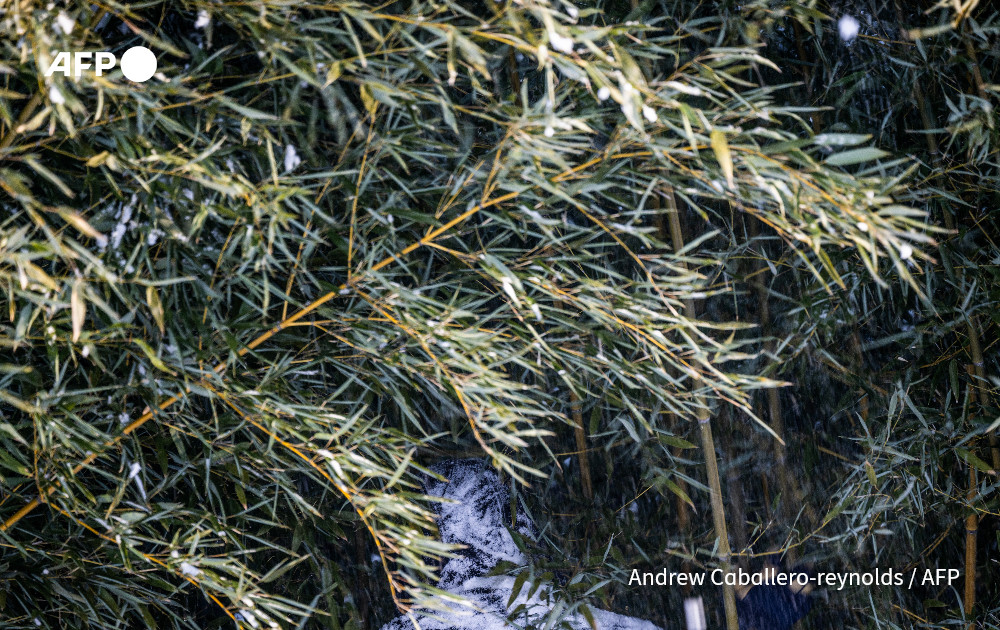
{"points": [[138, 63]]}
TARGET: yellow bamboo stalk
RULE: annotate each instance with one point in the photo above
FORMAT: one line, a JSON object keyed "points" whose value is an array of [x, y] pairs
{"points": [[972, 520], [977, 373]]}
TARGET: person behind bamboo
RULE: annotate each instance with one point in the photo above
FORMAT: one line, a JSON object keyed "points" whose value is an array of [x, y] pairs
{"points": [[473, 514]]}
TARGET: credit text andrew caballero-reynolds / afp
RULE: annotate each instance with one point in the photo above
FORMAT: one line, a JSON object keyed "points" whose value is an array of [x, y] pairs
{"points": [[837, 581]]}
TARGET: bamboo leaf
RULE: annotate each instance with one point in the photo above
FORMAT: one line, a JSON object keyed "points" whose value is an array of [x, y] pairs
{"points": [[155, 307], [371, 105], [723, 155], [975, 461], [677, 490], [677, 442], [855, 156]]}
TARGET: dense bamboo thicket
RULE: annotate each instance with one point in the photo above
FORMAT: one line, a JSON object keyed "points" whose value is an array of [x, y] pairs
{"points": [[711, 284]]}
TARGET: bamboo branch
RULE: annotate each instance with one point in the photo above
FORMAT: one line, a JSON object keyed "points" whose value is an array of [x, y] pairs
{"points": [[977, 75], [221, 366]]}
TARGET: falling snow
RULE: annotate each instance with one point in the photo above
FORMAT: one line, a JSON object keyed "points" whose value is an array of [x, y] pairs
{"points": [[292, 159], [64, 23], [55, 96], [848, 27]]}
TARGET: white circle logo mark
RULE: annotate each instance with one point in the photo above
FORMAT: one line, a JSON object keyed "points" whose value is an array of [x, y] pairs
{"points": [[138, 64]]}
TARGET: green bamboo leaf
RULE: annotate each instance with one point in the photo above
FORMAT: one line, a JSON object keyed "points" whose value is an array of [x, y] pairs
{"points": [[589, 616], [974, 461], [151, 355], [671, 440], [856, 156], [519, 582], [49, 175], [370, 103], [870, 471], [676, 489]]}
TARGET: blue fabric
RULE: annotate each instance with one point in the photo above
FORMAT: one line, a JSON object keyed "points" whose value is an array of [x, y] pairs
{"points": [[772, 607]]}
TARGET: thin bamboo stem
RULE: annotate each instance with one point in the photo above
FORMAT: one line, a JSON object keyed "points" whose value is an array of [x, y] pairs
{"points": [[978, 391], [982, 393], [970, 51], [734, 490], [792, 495], [680, 505], [972, 520], [971, 535], [979, 369], [707, 443], [580, 433]]}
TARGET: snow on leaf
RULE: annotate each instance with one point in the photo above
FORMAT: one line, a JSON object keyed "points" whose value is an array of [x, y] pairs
{"points": [[190, 570]]}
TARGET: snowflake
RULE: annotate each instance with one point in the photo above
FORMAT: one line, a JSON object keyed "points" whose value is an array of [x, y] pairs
{"points": [[848, 27]]}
